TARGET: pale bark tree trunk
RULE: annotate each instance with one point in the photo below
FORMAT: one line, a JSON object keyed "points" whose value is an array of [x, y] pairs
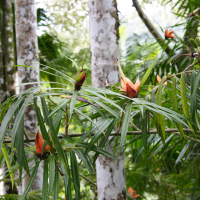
{"points": [[104, 54], [27, 54]]}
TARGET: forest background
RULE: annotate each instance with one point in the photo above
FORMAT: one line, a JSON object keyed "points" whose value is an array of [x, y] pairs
{"points": [[157, 166]]}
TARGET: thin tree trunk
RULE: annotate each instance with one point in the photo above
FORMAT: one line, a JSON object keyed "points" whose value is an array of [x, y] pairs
{"points": [[7, 60], [104, 54], [8, 48], [27, 54], [2, 79]]}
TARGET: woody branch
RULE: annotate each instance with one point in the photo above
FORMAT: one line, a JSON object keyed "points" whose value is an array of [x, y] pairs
{"points": [[172, 131], [150, 26]]}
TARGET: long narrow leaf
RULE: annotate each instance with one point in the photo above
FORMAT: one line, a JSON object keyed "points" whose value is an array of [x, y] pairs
{"points": [[75, 174], [182, 152], [19, 117], [159, 119], [54, 137], [125, 124], [45, 135], [55, 186], [175, 105], [146, 75], [31, 179], [5, 154], [45, 181], [72, 103], [184, 98], [8, 118]]}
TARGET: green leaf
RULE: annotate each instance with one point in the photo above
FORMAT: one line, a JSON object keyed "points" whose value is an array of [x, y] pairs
{"points": [[193, 43], [45, 181], [98, 134], [61, 155], [19, 144], [75, 174], [104, 139], [55, 186], [161, 146], [182, 152], [67, 182], [85, 145], [144, 126], [72, 103], [107, 108], [194, 87], [57, 120], [31, 179], [105, 99], [175, 105], [125, 124], [44, 145], [45, 135], [19, 117], [4, 109], [184, 99], [68, 192], [159, 119], [8, 118], [146, 75], [159, 93], [197, 41], [52, 169], [83, 157], [5, 154], [61, 104]]}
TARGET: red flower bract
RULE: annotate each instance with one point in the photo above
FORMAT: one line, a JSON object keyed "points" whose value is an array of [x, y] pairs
{"points": [[169, 34], [159, 80], [80, 78], [131, 89], [39, 142], [133, 193]]}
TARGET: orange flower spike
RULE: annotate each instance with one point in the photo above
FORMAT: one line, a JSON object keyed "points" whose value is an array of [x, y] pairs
{"points": [[159, 80], [39, 142], [133, 193], [137, 84], [131, 89], [128, 87], [169, 34]]}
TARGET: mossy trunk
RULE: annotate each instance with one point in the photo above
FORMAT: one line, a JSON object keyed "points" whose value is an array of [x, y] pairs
{"points": [[2, 79], [8, 48]]}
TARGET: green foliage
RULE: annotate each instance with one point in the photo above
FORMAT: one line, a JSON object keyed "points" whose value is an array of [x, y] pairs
{"points": [[163, 155], [193, 43]]}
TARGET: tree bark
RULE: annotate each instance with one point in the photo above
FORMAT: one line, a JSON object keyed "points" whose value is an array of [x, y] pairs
{"points": [[2, 79], [8, 48], [7, 60], [27, 54], [104, 54]]}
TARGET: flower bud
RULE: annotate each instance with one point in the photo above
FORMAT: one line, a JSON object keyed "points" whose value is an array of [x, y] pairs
{"points": [[80, 78]]}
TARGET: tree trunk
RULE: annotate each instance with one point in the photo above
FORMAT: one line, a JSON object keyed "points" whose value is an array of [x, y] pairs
{"points": [[104, 54], [2, 80], [7, 60], [27, 54], [8, 48]]}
